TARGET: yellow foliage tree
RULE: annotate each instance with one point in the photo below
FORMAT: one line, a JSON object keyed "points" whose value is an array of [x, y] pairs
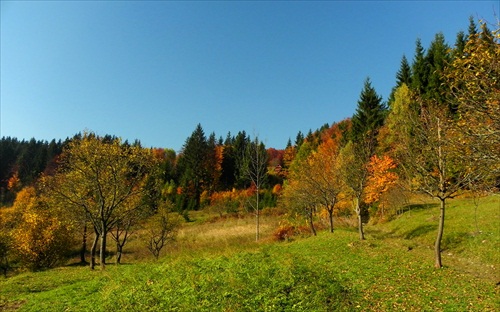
{"points": [[103, 180], [42, 236], [474, 82]]}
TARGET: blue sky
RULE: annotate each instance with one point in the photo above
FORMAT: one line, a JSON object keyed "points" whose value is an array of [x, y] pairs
{"points": [[153, 70]]}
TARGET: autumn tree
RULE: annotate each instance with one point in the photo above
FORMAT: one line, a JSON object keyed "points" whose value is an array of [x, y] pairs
{"points": [[430, 159], [474, 83], [353, 160], [297, 199], [161, 229], [43, 235], [381, 179], [102, 179], [215, 155], [324, 178]]}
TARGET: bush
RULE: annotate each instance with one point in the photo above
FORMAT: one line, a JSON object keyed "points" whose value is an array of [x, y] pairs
{"points": [[41, 238], [284, 232]]}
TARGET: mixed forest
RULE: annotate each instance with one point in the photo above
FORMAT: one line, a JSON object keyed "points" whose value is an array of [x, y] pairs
{"points": [[437, 134]]}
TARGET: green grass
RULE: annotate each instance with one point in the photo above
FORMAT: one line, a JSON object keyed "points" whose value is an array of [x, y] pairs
{"points": [[391, 271]]}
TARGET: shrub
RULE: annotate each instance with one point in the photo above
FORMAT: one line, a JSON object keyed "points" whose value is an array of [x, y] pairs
{"points": [[284, 232]]}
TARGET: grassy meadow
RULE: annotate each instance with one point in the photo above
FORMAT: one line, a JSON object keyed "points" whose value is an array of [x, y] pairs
{"points": [[216, 265]]}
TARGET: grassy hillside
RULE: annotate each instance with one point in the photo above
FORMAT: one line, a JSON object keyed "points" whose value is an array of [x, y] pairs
{"points": [[216, 266]]}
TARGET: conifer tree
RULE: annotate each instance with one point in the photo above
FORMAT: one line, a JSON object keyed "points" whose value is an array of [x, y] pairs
{"points": [[404, 73], [192, 163], [472, 27], [299, 139], [436, 59], [460, 42], [367, 120], [369, 115], [403, 76], [419, 69]]}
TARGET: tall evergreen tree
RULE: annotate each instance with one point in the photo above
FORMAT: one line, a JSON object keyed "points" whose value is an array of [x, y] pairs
{"points": [[460, 42], [366, 122], [228, 177], [436, 59], [192, 164], [403, 76], [299, 139], [404, 73], [419, 69], [472, 27], [239, 147], [370, 113]]}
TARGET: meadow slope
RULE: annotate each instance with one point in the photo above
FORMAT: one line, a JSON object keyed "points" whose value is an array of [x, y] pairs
{"points": [[391, 271]]}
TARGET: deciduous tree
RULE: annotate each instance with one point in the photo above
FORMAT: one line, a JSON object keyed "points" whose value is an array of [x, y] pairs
{"points": [[474, 82], [161, 228], [42, 236], [255, 169], [431, 161], [101, 179]]}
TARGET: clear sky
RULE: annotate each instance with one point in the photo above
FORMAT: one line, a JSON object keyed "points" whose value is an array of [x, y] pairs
{"points": [[153, 70]]}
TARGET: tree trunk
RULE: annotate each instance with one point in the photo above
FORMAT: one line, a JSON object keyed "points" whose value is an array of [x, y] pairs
{"points": [[360, 220], [119, 250], [93, 250], [311, 223], [257, 221], [102, 255], [437, 246], [442, 198], [330, 215], [84, 244]]}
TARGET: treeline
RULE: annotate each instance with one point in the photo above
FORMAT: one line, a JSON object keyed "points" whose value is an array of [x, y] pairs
{"points": [[22, 162], [437, 134]]}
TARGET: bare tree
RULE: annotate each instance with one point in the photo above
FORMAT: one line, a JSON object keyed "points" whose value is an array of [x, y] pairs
{"points": [[255, 169]]}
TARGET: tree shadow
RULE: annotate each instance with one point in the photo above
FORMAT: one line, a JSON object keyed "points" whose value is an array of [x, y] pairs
{"points": [[420, 230], [417, 207], [454, 240], [379, 234]]}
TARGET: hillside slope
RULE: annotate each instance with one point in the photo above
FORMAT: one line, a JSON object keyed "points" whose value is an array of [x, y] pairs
{"points": [[391, 271]]}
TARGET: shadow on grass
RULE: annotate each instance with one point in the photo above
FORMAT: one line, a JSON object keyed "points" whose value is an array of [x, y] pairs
{"points": [[420, 230], [454, 240], [417, 207], [379, 234]]}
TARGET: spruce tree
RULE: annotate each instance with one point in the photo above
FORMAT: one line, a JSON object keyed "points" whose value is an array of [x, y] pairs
{"points": [[192, 164], [460, 42], [370, 113], [403, 76], [436, 59], [404, 73], [299, 139], [472, 27], [419, 69]]}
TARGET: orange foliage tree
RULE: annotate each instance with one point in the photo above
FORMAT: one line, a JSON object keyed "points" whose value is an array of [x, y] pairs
{"points": [[380, 180]]}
